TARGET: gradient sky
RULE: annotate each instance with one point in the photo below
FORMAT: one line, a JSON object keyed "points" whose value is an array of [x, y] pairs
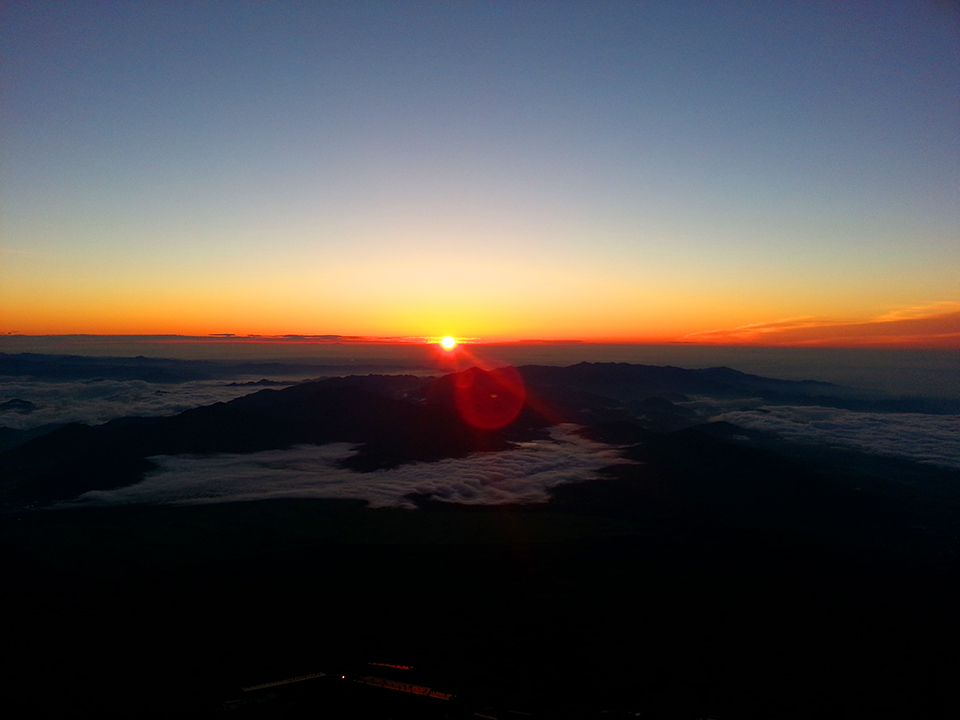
{"points": [[776, 172]]}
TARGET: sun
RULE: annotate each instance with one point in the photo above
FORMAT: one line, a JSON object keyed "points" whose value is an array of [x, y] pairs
{"points": [[448, 343]]}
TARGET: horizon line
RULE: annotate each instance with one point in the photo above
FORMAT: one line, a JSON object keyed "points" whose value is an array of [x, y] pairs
{"points": [[907, 343]]}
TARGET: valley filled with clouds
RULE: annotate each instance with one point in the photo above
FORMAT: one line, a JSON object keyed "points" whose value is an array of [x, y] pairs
{"points": [[923, 437], [521, 475], [97, 401], [524, 472]]}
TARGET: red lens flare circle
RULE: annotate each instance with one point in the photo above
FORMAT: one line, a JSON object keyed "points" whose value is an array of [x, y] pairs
{"points": [[488, 400]]}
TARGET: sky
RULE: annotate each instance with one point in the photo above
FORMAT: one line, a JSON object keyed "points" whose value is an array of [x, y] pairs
{"points": [[781, 173]]}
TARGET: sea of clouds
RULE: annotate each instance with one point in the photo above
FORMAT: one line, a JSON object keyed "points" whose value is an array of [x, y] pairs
{"points": [[914, 436], [521, 475], [98, 401]]}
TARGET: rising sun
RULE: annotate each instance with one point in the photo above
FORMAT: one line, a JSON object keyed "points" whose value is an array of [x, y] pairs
{"points": [[448, 342]]}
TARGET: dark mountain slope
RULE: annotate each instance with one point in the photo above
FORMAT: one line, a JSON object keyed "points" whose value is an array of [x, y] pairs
{"points": [[626, 381], [78, 458], [393, 419], [715, 577]]}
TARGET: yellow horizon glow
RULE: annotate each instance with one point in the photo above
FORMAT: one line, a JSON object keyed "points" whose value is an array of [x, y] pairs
{"points": [[543, 306]]}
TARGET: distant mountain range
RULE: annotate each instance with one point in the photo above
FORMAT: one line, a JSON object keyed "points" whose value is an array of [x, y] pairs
{"points": [[393, 419], [160, 370]]}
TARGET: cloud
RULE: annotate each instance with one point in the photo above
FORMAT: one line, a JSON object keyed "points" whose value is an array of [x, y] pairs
{"points": [[936, 325], [97, 401], [914, 436], [921, 311], [523, 475]]}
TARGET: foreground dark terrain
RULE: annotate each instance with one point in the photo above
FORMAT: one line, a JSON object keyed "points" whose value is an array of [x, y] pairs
{"points": [[722, 573]]}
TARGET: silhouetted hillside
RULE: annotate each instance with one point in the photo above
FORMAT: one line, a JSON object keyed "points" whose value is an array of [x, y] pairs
{"points": [[715, 571], [78, 458], [393, 420]]}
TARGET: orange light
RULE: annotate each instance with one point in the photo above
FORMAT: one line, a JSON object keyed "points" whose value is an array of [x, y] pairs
{"points": [[448, 343]]}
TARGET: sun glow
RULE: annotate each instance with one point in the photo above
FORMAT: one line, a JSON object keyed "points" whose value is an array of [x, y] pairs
{"points": [[448, 343]]}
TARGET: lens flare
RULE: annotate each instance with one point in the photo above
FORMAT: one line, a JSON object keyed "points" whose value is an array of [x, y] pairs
{"points": [[489, 400]]}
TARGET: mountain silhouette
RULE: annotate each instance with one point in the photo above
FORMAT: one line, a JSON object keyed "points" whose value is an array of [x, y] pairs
{"points": [[710, 571]]}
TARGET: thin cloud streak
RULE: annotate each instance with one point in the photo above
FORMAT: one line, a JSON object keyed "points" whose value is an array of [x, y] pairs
{"points": [[921, 311], [933, 326]]}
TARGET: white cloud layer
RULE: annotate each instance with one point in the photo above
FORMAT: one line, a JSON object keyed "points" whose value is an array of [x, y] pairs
{"points": [[915, 436], [522, 475], [97, 401]]}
